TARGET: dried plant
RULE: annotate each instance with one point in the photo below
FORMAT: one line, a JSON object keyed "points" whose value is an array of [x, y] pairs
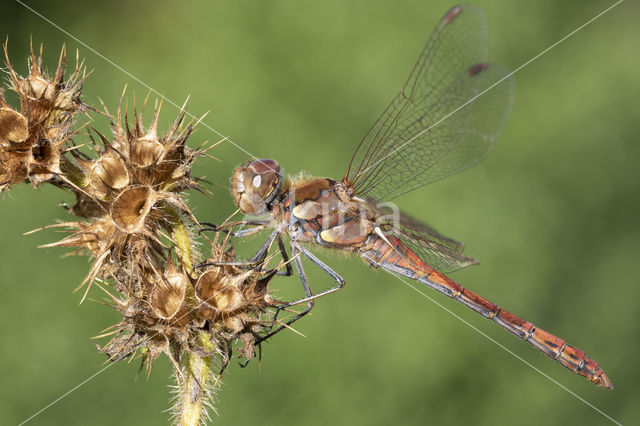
{"points": [[133, 220]]}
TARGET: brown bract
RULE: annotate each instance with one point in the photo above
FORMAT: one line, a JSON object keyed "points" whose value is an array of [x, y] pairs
{"points": [[226, 303], [33, 139]]}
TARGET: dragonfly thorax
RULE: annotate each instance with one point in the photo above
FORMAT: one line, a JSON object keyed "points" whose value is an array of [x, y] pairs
{"points": [[255, 185]]}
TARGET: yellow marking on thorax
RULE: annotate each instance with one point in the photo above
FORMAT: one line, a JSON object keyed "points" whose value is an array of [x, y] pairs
{"points": [[386, 240]]}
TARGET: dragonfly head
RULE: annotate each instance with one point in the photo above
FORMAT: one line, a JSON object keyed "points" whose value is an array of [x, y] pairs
{"points": [[255, 185]]}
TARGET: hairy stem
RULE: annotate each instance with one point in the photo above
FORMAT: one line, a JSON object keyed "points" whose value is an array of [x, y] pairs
{"points": [[193, 388], [195, 375], [180, 236]]}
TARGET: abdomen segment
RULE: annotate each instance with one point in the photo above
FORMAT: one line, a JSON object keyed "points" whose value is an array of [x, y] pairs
{"points": [[396, 257]]}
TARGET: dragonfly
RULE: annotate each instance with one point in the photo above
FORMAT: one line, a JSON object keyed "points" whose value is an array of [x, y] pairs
{"points": [[445, 119]]}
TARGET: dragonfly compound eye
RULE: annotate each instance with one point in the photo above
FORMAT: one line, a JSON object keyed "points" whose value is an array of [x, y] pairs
{"points": [[255, 185]]}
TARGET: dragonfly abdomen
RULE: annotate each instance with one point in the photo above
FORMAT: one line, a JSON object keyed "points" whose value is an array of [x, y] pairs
{"points": [[393, 255]]}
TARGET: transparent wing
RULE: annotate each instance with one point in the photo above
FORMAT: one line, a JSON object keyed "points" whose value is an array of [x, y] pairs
{"points": [[441, 122], [440, 252]]}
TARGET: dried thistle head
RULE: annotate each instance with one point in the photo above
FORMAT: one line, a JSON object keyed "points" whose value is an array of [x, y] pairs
{"points": [[33, 139], [133, 221], [204, 312], [130, 191], [228, 296], [136, 225], [134, 157]]}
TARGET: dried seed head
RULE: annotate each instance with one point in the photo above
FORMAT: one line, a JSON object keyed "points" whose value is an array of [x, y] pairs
{"points": [[234, 323], [122, 188], [168, 294], [33, 139], [217, 289], [13, 168], [161, 161], [228, 307], [13, 126], [130, 210], [108, 172], [146, 152], [45, 161], [136, 225], [50, 102]]}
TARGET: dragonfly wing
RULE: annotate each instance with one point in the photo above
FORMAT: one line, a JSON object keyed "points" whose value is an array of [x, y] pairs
{"points": [[443, 120], [441, 253]]}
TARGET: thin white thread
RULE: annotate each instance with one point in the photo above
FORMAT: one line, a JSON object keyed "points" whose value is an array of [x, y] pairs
{"points": [[506, 349], [88, 379], [127, 73], [113, 362]]}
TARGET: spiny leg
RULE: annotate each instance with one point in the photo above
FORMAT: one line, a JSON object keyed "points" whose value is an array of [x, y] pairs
{"points": [[209, 227], [310, 297], [333, 274], [285, 258], [256, 226], [258, 259], [307, 290], [255, 261]]}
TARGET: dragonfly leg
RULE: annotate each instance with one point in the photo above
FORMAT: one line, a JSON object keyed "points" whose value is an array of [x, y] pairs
{"points": [[209, 227], [307, 290], [285, 258], [256, 260], [256, 226], [333, 274], [310, 297], [248, 232], [259, 258]]}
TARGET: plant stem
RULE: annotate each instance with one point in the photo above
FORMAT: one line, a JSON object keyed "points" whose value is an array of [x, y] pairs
{"points": [[195, 372], [193, 388], [181, 238]]}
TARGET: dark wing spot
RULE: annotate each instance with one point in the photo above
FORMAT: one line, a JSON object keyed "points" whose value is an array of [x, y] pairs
{"points": [[451, 15], [477, 69]]}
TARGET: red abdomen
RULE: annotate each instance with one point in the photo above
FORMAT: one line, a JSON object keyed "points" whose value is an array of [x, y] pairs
{"points": [[393, 255]]}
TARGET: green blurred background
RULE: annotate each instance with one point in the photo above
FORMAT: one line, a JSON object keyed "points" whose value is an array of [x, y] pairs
{"points": [[552, 214]]}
